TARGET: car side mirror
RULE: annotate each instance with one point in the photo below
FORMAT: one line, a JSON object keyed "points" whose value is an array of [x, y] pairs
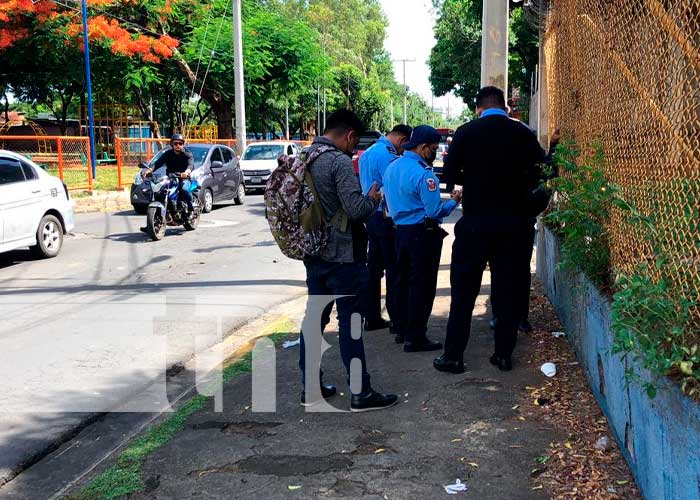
{"points": [[217, 164]]}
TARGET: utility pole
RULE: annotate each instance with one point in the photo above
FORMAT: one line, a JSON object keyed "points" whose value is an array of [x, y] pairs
{"points": [[286, 117], [238, 76], [391, 112], [318, 108], [88, 84], [494, 45], [405, 88]]}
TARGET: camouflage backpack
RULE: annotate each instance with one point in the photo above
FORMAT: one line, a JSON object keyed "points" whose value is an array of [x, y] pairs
{"points": [[293, 209]]}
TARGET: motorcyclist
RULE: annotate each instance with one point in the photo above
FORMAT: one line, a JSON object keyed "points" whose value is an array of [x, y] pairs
{"points": [[177, 160]]}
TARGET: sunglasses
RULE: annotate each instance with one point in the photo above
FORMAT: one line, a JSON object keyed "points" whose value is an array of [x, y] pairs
{"points": [[178, 143]]}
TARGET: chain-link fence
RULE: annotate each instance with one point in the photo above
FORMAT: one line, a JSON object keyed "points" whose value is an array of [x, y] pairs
{"points": [[626, 74], [64, 157]]}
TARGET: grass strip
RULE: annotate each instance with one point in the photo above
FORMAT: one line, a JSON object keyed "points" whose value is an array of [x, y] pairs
{"points": [[126, 475]]}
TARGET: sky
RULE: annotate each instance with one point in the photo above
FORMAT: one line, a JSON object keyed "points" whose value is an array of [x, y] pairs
{"points": [[410, 36]]}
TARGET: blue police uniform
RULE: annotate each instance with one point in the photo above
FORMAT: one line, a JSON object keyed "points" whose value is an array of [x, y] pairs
{"points": [[381, 255], [412, 193]]}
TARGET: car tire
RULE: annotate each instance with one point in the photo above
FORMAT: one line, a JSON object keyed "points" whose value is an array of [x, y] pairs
{"points": [[240, 197], [207, 201], [140, 209], [49, 237]]}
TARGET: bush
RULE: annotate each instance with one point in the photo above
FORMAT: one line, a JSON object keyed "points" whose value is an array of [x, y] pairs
{"points": [[580, 212]]}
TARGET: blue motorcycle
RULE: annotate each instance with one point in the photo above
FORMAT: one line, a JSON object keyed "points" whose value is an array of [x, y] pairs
{"points": [[166, 209]]}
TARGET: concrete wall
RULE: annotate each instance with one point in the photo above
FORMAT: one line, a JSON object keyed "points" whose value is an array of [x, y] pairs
{"points": [[660, 438]]}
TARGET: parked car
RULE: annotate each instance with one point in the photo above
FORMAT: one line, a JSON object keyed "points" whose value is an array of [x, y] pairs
{"points": [[260, 159], [35, 209], [366, 140], [216, 169]]}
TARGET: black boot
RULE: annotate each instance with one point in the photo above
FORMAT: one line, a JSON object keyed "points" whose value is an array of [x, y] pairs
{"points": [[327, 391], [447, 365], [423, 345], [371, 400], [503, 363]]}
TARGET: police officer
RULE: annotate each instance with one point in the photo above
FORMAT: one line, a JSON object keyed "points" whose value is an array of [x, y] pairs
{"points": [[380, 228], [497, 161], [412, 193]]}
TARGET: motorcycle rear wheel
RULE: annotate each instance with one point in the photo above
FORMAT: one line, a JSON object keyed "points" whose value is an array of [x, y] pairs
{"points": [[192, 220]]}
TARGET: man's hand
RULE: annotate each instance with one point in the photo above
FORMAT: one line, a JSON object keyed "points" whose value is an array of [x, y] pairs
{"points": [[374, 193], [184, 175], [146, 172], [456, 195]]}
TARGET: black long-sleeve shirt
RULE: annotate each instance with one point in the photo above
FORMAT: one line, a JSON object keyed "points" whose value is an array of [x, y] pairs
{"points": [[175, 163]]}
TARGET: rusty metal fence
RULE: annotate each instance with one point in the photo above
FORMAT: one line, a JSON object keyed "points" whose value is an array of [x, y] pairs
{"points": [[627, 75], [64, 157]]}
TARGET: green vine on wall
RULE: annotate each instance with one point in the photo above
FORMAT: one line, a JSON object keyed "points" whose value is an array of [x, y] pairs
{"points": [[651, 319]]}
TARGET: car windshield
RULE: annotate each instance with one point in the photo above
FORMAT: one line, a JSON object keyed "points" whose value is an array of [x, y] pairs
{"points": [[198, 152], [263, 152]]}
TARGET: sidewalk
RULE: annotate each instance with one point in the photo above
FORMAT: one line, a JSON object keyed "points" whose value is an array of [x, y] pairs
{"points": [[481, 427], [102, 201]]}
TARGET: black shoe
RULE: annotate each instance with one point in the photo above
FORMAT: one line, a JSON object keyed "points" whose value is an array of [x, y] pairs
{"points": [[525, 326], [447, 365], [144, 229], [503, 364], [372, 401], [380, 324], [399, 338], [422, 346], [327, 391], [492, 324]]}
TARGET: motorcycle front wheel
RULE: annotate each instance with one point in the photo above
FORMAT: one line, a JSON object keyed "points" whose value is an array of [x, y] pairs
{"points": [[192, 220], [155, 224]]}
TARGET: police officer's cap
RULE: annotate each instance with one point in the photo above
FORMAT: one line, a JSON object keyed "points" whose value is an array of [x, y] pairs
{"points": [[422, 134]]}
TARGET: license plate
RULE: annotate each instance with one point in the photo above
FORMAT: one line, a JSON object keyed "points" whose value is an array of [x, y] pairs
{"points": [[256, 180]]}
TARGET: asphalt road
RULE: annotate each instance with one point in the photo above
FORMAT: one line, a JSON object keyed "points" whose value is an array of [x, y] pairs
{"points": [[96, 325]]}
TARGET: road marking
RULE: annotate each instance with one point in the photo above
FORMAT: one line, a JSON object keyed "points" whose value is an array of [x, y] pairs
{"points": [[218, 223]]}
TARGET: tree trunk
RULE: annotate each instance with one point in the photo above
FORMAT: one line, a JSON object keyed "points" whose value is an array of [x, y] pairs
{"points": [[224, 119]]}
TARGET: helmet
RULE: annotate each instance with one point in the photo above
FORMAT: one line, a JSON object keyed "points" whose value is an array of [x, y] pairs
{"points": [[177, 137]]}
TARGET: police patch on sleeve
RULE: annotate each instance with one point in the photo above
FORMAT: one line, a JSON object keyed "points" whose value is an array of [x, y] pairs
{"points": [[432, 185]]}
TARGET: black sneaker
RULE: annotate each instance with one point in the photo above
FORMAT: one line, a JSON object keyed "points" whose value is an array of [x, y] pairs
{"points": [[144, 229], [379, 324], [525, 326], [327, 391], [372, 400]]}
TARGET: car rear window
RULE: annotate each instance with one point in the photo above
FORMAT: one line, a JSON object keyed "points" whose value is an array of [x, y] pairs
{"points": [[263, 152]]}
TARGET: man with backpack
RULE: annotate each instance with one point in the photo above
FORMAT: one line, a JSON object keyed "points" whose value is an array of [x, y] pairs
{"points": [[339, 267]]}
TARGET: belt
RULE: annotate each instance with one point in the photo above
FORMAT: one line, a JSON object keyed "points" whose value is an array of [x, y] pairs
{"points": [[427, 224]]}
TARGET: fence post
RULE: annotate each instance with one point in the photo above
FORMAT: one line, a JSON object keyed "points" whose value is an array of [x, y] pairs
{"points": [[59, 152], [118, 148]]}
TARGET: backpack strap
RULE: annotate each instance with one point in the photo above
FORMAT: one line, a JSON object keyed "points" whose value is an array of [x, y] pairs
{"points": [[340, 218]]}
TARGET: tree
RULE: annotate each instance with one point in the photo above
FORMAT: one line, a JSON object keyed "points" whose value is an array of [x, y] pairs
{"points": [[455, 61]]}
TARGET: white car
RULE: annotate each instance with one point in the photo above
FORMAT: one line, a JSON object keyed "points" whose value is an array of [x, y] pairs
{"points": [[260, 159], [35, 210]]}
